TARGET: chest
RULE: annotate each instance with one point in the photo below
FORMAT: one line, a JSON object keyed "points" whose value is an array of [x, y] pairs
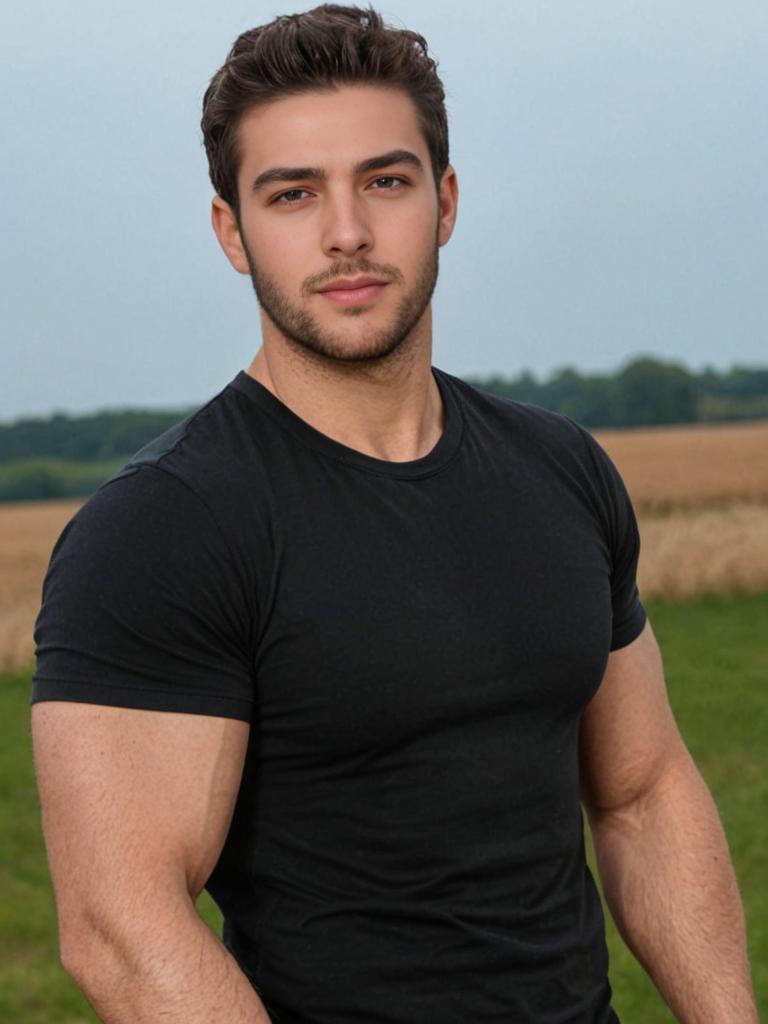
{"points": [[398, 604]]}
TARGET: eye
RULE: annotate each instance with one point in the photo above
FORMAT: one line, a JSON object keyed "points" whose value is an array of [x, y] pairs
{"points": [[291, 197], [388, 183]]}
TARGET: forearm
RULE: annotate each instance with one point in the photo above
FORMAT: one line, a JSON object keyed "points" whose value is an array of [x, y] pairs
{"points": [[670, 885], [174, 969]]}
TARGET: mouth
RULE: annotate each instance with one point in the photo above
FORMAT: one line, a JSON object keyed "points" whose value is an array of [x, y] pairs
{"points": [[357, 291]]}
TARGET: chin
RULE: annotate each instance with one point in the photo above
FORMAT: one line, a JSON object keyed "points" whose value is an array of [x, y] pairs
{"points": [[351, 351]]}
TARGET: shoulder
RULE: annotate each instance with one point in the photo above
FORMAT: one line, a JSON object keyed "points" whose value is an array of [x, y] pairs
{"points": [[547, 444], [206, 474], [208, 450], [188, 514], [522, 422], [150, 601]]}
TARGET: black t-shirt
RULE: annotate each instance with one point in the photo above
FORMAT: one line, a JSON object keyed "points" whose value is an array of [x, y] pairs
{"points": [[413, 645]]}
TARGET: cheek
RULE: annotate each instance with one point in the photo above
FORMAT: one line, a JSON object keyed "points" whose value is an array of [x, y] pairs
{"points": [[411, 235], [280, 254]]}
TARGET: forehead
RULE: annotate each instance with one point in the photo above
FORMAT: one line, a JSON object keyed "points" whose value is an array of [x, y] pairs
{"points": [[334, 127]]}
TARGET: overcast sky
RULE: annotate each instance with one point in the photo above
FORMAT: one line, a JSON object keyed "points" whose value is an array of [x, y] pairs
{"points": [[611, 154]]}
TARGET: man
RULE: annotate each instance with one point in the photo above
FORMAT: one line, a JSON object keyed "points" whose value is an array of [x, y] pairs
{"points": [[347, 644]]}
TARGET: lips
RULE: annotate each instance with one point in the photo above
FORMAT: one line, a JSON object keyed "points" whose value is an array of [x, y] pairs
{"points": [[348, 284], [353, 291]]}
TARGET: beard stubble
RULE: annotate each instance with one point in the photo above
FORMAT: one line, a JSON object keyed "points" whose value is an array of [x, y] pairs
{"points": [[300, 327]]}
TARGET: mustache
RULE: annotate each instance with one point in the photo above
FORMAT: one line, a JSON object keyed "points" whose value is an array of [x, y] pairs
{"points": [[350, 268]]}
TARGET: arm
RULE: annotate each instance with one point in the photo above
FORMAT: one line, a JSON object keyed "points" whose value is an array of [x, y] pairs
{"points": [[136, 807], [660, 847]]}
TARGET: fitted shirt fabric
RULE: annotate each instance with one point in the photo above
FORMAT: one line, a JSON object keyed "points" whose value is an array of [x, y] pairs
{"points": [[413, 645]]}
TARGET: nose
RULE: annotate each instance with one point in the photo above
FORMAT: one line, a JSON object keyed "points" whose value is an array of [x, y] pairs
{"points": [[346, 231]]}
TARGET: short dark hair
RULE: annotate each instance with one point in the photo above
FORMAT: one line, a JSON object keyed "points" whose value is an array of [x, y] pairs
{"points": [[324, 48]]}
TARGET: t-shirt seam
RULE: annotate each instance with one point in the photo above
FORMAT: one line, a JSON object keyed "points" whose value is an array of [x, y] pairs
{"points": [[187, 421]]}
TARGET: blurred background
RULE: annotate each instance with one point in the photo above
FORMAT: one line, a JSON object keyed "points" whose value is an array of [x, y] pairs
{"points": [[611, 157]]}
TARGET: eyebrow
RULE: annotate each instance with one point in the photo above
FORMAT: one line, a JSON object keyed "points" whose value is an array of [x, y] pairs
{"points": [[395, 156], [373, 163]]}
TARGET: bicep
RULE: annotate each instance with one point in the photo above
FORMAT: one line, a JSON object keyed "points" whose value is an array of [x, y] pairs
{"points": [[629, 738], [133, 800]]}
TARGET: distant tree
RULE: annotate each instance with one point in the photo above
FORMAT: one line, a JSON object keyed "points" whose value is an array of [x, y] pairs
{"points": [[30, 483], [524, 388], [741, 382], [649, 392], [35, 479], [644, 392], [594, 404], [562, 387], [99, 436]]}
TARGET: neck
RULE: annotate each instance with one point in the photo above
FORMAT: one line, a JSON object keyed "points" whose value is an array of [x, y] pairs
{"points": [[389, 408]]}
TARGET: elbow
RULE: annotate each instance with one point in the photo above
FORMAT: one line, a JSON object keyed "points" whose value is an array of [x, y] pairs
{"points": [[106, 949], [77, 949], [88, 954], [74, 960]]}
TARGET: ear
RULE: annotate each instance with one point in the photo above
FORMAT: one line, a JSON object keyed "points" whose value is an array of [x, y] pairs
{"points": [[448, 202], [228, 233]]}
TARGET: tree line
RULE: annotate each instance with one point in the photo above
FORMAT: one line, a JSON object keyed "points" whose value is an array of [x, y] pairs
{"points": [[69, 456], [645, 392]]}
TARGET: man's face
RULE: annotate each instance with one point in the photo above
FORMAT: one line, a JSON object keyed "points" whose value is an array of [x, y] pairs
{"points": [[340, 220]]}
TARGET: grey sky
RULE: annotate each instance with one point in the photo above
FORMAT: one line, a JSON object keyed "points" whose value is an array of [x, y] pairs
{"points": [[611, 154]]}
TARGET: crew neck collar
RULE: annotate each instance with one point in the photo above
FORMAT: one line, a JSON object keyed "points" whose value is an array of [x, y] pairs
{"points": [[427, 465]]}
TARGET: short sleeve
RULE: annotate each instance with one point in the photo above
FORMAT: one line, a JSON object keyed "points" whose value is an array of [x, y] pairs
{"points": [[144, 605], [623, 539]]}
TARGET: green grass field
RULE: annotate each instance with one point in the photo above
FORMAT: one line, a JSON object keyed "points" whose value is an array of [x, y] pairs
{"points": [[717, 669]]}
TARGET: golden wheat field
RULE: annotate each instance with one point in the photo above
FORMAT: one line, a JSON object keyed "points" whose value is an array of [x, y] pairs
{"points": [[701, 494], [27, 534], [687, 467]]}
